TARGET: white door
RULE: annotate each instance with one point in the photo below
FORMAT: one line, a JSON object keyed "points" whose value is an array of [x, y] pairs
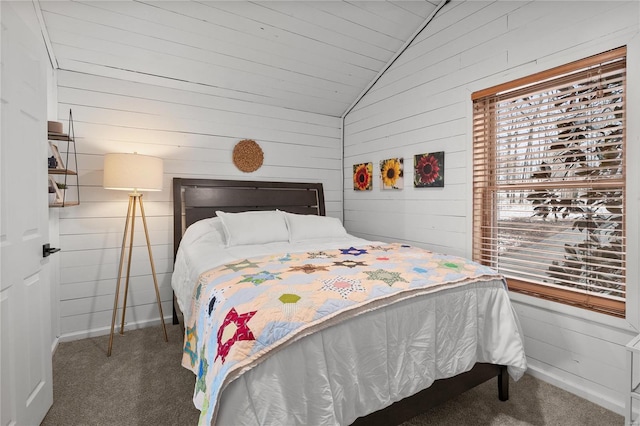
{"points": [[25, 297]]}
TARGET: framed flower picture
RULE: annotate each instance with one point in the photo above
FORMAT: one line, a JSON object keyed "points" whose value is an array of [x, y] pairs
{"points": [[392, 173], [428, 170], [362, 176]]}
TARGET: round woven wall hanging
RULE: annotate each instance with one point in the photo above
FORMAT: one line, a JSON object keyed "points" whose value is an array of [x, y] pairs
{"points": [[247, 155]]}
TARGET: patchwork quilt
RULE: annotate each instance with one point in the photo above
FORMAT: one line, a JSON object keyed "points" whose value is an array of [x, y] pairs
{"points": [[246, 310]]}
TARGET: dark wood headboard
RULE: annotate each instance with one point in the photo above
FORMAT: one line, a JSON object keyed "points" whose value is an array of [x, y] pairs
{"points": [[195, 199]]}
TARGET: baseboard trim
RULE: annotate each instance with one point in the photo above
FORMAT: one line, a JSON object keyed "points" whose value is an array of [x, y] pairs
{"points": [[102, 331], [565, 383], [54, 345]]}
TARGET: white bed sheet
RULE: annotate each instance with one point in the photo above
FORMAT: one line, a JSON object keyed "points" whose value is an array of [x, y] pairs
{"points": [[367, 363]]}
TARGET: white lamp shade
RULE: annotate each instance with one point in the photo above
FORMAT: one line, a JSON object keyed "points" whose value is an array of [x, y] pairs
{"points": [[132, 172]]}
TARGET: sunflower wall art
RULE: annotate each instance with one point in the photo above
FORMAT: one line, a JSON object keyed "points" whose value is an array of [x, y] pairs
{"points": [[392, 173], [428, 170], [362, 177]]}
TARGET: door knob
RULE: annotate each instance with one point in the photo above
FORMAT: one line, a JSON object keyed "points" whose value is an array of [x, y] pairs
{"points": [[47, 250]]}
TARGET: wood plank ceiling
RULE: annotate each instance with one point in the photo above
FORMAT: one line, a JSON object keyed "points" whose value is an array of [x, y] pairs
{"points": [[315, 56]]}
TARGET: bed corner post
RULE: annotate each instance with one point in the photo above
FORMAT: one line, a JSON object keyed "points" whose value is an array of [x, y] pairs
{"points": [[503, 384], [177, 232], [320, 194]]}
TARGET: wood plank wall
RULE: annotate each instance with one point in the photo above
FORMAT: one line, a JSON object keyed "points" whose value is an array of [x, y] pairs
{"points": [[194, 133], [423, 104]]}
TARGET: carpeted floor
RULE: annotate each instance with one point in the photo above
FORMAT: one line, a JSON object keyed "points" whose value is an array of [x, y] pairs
{"points": [[142, 383]]}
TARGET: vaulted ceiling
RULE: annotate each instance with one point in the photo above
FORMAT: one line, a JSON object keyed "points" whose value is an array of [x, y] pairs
{"points": [[316, 56]]}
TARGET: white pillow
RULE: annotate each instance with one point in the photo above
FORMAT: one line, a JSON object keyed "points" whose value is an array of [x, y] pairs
{"points": [[255, 227], [309, 227], [211, 228]]}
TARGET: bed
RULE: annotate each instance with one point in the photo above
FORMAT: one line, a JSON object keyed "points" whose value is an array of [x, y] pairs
{"points": [[379, 361]]}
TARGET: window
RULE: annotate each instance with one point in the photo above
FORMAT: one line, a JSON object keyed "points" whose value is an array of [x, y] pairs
{"points": [[549, 182]]}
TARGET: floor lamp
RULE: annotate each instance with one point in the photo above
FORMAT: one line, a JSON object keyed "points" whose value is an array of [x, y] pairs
{"points": [[132, 172]]}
